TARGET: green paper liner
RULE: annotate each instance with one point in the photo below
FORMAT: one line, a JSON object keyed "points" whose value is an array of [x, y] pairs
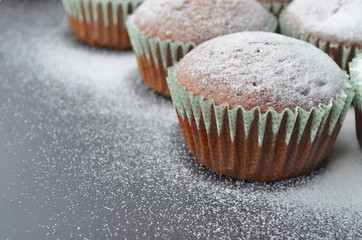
{"points": [[155, 55], [251, 145], [101, 22], [340, 53], [356, 77], [274, 7]]}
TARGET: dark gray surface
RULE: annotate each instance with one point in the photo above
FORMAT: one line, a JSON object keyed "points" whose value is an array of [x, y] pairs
{"points": [[75, 164]]}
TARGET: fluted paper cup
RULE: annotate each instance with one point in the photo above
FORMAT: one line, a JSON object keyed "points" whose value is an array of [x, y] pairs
{"points": [[101, 22], [274, 7]]}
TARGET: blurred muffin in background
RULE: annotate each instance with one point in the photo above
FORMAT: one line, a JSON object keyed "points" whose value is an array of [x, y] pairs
{"points": [[332, 25], [163, 31], [356, 77], [275, 6], [101, 22]]}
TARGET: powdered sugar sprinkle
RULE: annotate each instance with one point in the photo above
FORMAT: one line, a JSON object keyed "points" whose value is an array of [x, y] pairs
{"points": [[105, 157]]}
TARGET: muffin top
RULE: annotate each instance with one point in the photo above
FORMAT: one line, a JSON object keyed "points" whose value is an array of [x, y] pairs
{"points": [[338, 21], [199, 20], [260, 69]]}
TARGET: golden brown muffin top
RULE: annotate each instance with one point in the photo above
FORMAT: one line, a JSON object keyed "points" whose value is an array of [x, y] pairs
{"points": [[199, 20], [259, 69]]}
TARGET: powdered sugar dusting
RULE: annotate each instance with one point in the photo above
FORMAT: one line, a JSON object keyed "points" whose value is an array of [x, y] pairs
{"points": [[261, 69], [333, 20], [199, 20], [92, 157]]}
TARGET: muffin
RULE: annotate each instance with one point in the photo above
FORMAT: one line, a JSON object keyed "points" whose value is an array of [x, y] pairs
{"points": [[259, 106], [332, 25], [163, 31], [275, 6], [100, 22], [356, 76]]}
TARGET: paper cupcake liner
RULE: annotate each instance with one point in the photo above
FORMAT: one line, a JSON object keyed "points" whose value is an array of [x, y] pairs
{"points": [[356, 78], [251, 145], [155, 56], [274, 7], [341, 54], [101, 22]]}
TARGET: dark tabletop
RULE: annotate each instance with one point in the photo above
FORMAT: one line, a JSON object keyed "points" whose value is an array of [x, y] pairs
{"points": [[88, 152]]}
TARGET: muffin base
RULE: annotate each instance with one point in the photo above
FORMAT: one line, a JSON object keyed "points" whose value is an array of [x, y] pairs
{"points": [[246, 160], [151, 75], [101, 23], [154, 56], [96, 33]]}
